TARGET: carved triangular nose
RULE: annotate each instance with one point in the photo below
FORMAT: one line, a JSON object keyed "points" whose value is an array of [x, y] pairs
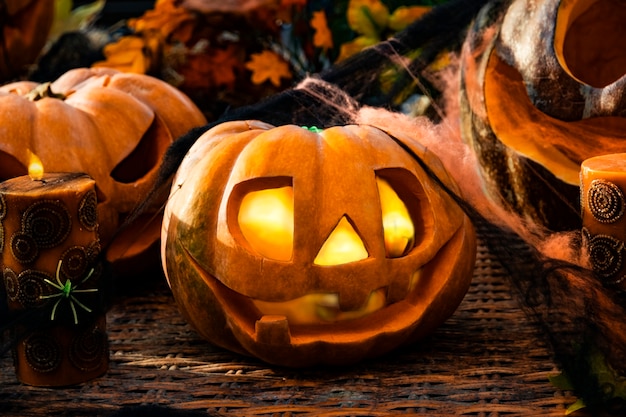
{"points": [[344, 245]]}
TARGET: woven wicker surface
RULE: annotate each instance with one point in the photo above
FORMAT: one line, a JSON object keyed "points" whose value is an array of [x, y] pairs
{"points": [[488, 359]]}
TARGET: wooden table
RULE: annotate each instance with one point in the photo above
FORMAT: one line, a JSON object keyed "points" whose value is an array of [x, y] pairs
{"points": [[488, 359]]}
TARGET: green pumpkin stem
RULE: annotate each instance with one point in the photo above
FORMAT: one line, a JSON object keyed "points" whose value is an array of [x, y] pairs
{"points": [[313, 129], [42, 91]]}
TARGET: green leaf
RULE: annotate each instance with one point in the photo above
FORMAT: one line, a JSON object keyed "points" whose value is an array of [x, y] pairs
{"points": [[561, 381], [62, 9], [578, 405], [67, 19]]}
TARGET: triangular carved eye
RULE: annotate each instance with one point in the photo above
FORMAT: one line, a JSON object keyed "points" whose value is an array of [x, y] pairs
{"points": [[398, 228], [266, 221], [342, 246]]}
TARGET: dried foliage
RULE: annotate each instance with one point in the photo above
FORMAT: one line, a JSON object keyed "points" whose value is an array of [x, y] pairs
{"points": [[232, 53]]}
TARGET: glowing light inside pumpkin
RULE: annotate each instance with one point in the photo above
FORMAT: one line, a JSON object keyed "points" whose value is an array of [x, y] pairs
{"points": [[266, 222], [320, 308], [342, 246], [35, 167], [398, 228]]}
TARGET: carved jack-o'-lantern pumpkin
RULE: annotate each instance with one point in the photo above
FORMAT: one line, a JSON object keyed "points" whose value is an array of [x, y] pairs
{"points": [[302, 247], [24, 29], [110, 125], [543, 89]]}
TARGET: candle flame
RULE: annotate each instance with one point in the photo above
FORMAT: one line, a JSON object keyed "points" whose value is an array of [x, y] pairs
{"points": [[35, 166]]}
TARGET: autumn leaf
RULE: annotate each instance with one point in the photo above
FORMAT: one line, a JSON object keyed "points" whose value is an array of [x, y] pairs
{"points": [[131, 54], [287, 3], [224, 63], [355, 46], [367, 17], [323, 37], [173, 22], [403, 16], [268, 65], [212, 68]]}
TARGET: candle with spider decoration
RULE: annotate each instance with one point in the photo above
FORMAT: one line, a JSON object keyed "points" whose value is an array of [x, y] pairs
{"points": [[49, 249], [603, 205]]}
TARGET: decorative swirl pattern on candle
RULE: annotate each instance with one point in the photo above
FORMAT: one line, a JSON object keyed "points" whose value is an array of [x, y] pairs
{"points": [[42, 352], [74, 262], [48, 222], [581, 192], [3, 207], [11, 284], [606, 254], [24, 248], [88, 349], [93, 250], [88, 211], [32, 288], [3, 212], [605, 201]]}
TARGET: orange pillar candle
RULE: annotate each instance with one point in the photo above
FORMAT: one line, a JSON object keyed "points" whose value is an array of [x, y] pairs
{"points": [[603, 205], [49, 250]]}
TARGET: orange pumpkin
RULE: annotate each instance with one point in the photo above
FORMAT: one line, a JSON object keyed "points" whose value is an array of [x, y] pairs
{"points": [[302, 247], [113, 126], [543, 89], [25, 25]]}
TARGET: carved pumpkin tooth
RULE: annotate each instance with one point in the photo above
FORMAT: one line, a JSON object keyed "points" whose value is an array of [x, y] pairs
{"points": [[272, 330]]}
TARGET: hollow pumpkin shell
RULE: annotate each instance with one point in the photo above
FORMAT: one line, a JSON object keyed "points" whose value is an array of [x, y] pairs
{"points": [[110, 125], [234, 291], [542, 89]]}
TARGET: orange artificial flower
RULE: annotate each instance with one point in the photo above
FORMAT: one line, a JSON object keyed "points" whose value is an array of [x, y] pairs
{"points": [[268, 65], [323, 37]]}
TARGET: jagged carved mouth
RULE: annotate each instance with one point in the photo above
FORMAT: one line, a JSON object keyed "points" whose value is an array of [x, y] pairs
{"points": [[378, 322], [311, 317]]}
